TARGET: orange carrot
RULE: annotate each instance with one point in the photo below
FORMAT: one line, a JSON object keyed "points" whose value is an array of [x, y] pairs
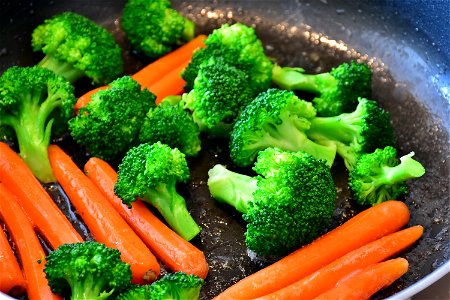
{"points": [[169, 247], [157, 70], [170, 84], [11, 277], [366, 282], [29, 248], [103, 221], [326, 278], [34, 200], [367, 226]]}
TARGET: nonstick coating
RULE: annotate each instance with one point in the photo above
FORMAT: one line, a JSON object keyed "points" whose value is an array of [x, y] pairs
{"points": [[411, 81]]}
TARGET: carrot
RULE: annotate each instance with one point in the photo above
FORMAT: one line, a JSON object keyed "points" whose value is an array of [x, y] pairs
{"points": [[11, 277], [169, 247], [170, 84], [367, 226], [103, 221], [29, 248], [34, 200], [326, 278], [366, 282], [157, 70]]}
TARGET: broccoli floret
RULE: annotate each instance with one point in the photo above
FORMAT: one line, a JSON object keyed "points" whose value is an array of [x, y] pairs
{"points": [[173, 286], [289, 202], [170, 124], [362, 131], [380, 176], [75, 46], [337, 90], [154, 28], [239, 46], [31, 100], [87, 270], [275, 118], [151, 172], [220, 92], [109, 124]]}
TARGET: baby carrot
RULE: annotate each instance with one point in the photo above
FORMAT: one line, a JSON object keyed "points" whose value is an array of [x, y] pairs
{"points": [[11, 277], [29, 248], [157, 70], [367, 226], [326, 278], [169, 247], [34, 200], [103, 221], [366, 282], [170, 84]]}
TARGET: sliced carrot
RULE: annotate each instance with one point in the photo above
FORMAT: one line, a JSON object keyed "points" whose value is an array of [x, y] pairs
{"points": [[367, 226], [326, 278], [34, 200], [363, 284], [158, 69], [169, 247], [11, 277], [103, 221], [170, 84], [29, 248]]}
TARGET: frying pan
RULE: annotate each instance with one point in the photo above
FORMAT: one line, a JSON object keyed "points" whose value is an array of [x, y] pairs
{"points": [[405, 42]]}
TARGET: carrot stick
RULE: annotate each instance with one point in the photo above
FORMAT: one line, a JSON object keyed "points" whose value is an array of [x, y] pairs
{"points": [[11, 277], [155, 71], [29, 248], [103, 221], [326, 278], [170, 84], [34, 200], [169, 247], [368, 281], [367, 226]]}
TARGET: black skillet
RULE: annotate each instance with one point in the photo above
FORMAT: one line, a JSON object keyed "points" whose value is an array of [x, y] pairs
{"points": [[405, 42]]}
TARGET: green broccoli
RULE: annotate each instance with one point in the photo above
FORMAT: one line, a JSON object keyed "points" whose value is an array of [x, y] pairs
{"points": [[275, 118], [380, 176], [337, 90], [87, 270], [289, 202], [239, 46], [109, 124], [154, 28], [151, 172], [32, 99], [170, 124], [75, 46], [362, 131], [173, 286], [220, 92]]}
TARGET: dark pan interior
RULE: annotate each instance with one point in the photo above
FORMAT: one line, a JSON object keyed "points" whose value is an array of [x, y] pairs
{"points": [[411, 81]]}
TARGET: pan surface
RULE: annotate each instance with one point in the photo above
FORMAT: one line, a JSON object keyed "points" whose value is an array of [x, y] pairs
{"points": [[411, 81]]}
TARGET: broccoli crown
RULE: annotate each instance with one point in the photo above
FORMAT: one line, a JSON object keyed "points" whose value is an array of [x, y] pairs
{"points": [[289, 202], [220, 92], [380, 176], [362, 131], [89, 270], [275, 118], [154, 28], [76, 46], [170, 124], [110, 123], [239, 46], [32, 99], [151, 172], [173, 286]]}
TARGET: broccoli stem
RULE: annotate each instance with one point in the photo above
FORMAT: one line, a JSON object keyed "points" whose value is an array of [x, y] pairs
{"points": [[407, 169], [90, 288], [341, 128], [63, 69], [172, 207], [294, 79], [189, 30], [232, 188]]}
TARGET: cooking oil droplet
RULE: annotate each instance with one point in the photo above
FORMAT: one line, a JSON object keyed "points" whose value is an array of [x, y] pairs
{"points": [[340, 11]]}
